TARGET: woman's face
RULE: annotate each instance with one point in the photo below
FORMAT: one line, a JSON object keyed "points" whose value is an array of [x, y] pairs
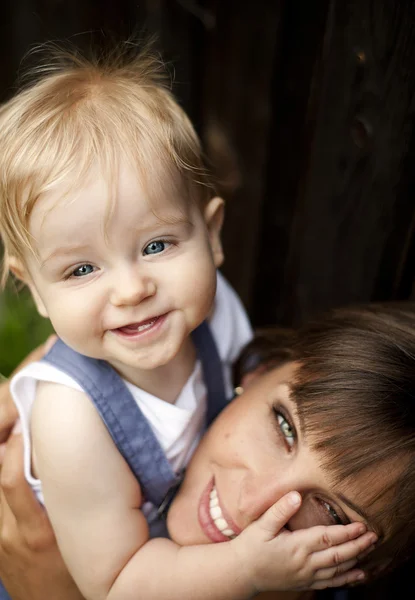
{"points": [[252, 455]]}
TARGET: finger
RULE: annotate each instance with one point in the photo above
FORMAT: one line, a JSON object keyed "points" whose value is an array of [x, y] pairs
{"points": [[354, 576], [9, 532], [17, 427], [8, 412], [331, 572], [2, 452], [274, 519], [341, 553], [17, 492], [31, 518], [321, 537]]}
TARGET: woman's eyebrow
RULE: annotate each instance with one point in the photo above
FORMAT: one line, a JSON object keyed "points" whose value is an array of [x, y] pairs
{"points": [[297, 420]]}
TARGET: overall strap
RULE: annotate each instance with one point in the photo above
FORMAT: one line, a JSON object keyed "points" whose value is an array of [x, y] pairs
{"points": [[208, 355], [123, 418], [212, 370]]}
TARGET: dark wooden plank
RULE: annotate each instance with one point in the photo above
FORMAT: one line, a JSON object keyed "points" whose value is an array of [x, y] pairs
{"points": [[353, 225], [240, 53], [294, 96]]}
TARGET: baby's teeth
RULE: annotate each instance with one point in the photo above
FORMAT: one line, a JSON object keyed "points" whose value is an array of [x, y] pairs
{"points": [[146, 326]]}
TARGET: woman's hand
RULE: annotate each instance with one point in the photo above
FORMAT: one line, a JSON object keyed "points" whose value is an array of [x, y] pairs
{"points": [[8, 415], [31, 567], [8, 412]]}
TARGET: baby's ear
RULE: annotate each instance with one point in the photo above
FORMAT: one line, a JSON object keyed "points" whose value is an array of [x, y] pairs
{"points": [[214, 213], [19, 270]]}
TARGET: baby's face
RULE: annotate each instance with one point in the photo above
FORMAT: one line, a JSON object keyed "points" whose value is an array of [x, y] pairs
{"points": [[126, 285]]}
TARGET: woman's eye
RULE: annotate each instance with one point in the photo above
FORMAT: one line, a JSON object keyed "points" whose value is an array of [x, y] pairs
{"points": [[155, 247], [286, 429], [332, 513], [82, 271]]}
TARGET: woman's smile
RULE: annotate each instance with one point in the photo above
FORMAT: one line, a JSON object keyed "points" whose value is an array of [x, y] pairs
{"points": [[214, 520]]}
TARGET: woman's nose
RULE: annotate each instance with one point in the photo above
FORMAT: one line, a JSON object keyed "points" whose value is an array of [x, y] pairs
{"points": [[132, 287], [258, 494]]}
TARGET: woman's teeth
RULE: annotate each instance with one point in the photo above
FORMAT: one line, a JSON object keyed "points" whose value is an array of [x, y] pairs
{"points": [[217, 517]]}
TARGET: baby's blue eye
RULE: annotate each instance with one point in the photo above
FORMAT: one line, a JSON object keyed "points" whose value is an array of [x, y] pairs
{"points": [[83, 270], [155, 247]]}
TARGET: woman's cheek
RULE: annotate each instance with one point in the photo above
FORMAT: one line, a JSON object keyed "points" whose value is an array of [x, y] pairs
{"points": [[304, 519]]}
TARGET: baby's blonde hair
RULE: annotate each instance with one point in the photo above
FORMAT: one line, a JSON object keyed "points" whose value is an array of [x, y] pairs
{"points": [[80, 112]]}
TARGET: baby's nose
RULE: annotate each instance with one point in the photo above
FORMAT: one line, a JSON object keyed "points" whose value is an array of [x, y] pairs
{"points": [[132, 288]]}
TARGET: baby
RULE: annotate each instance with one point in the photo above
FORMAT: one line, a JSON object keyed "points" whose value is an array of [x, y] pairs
{"points": [[108, 215]]}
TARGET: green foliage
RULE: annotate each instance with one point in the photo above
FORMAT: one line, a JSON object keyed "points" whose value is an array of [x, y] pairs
{"points": [[21, 327]]}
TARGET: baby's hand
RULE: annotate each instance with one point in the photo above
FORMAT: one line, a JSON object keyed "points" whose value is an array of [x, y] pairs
{"points": [[314, 558]]}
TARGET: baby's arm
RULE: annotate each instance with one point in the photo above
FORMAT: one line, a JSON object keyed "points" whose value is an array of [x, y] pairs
{"points": [[261, 558], [93, 501]]}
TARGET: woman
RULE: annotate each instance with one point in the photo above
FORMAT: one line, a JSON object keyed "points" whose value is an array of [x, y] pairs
{"points": [[328, 411]]}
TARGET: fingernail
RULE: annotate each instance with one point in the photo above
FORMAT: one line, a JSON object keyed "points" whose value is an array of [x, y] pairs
{"points": [[294, 498], [360, 577]]}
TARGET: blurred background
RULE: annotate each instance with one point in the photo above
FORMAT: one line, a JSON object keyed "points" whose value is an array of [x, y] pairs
{"points": [[306, 111]]}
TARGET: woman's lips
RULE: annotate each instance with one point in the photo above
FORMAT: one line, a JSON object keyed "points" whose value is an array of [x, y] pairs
{"points": [[216, 524]]}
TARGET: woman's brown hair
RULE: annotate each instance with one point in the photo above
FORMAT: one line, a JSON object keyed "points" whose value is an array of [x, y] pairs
{"points": [[355, 396]]}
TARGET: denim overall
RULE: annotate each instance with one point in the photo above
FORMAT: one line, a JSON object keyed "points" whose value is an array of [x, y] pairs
{"points": [[127, 425]]}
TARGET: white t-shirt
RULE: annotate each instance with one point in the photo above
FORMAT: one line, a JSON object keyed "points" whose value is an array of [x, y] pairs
{"points": [[178, 427]]}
